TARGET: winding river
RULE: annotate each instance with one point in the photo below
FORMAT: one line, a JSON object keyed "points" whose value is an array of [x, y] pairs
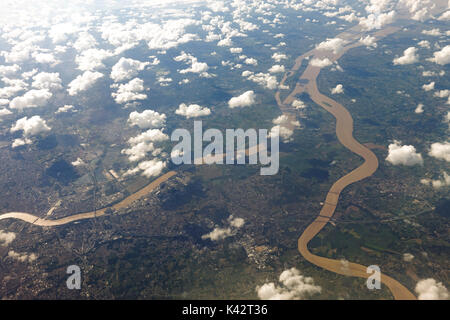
{"points": [[92, 214], [344, 131]]}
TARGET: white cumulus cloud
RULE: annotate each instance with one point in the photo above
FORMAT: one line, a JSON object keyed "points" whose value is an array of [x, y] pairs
{"points": [[430, 289], [6, 237], [30, 127], [251, 61], [31, 99], [408, 257], [369, 41], [221, 233], [335, 45], [441, 57], [83, 82], [429, 86], [440, 151], [277, 69], [192, 111], [244, 100], [321, 63], [338, 89], [127, 68], [403, 155], [144, 143], [377, 21], [147, 119], [22, 257], [293, 286], [263, 79], [130, 91], [279, 56], [46, 80], [409, 56], [284, 128], [65, 108]]}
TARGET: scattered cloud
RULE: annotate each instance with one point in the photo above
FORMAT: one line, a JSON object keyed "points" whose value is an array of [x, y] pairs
{"points": [[336, 45], [83, 82], [45, 80], [22, 257], [263, 79], [321, 63], [9, 70], [12, 87], [277, 69], [408, 257], [158, 36], [221, 233], [433, 32], [21, 142], [429, 86], [442, 93], [30, 126], [192, 111], [45, 58], [144, 143], [369, 41], [92, 59], [236, 222], [127, 68], [85, 41], [6, 237], [31, 99], [218, 234], [377, 21], [147, 119], [293, 286], [441, 57], [440, 151], [244, 100], [338, 89], [149, 168], [164, 82], [445, 16], [419, 108], [236, 50], [251, 61], [424, 44], [409, 56], [403, 155], [298, 104], [59, 33], [444, 180], [78, 162], [279, 56], [226, 42], [4, 112], [284, 127], [196, 67], [430, 289], [130, 91], [433, 74], [66, 108]]}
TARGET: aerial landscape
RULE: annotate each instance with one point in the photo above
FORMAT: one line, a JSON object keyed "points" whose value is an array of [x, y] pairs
{"points": [[225, 150]]}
